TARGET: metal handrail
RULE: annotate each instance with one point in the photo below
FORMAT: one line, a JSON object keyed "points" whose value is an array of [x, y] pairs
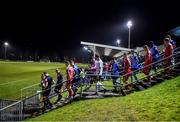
{"points": [[11, 105], [161, 54], [152, 63], [153, 73], [45, 90], [140, 64]]}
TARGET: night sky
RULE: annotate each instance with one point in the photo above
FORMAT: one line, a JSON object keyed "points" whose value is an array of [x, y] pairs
{"points": [[57, 28]]}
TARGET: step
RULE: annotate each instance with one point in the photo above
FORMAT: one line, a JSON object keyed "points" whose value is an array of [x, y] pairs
{"points": [[92, 97], [143, 84], [147, 82], [128, 91], [31, 109], [175, 70], [86, 93], [26, 115], [167, 77], [111, 95], [174, 74], [153, 82], [138, 87], [106, 94], [177, 67], [159, 75], [158, 79], [92, 92]]}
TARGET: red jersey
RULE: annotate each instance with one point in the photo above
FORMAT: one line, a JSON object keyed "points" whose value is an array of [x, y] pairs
{"points": [[70, 73], [127, 65], [148, 58], [168, 50]]}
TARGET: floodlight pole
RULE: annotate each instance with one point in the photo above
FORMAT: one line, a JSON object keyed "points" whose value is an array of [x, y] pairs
{"points": [[129, 24], [5, 49], [129, 42]]}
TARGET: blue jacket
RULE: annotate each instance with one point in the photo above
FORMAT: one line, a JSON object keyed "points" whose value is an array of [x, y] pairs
{"points": [[134, 62], [115, 69], [155, 52], [172, 42], [77, 72]]}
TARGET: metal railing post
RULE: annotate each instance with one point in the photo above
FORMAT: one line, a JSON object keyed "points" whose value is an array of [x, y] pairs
{"points": [[81, 90], [21, 110]]}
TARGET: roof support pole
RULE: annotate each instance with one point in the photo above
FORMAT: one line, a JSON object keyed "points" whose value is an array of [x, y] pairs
{"points": [[94, 51]]}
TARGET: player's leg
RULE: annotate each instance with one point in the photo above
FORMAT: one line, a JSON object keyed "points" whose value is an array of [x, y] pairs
{"points": [[58, 91], [70, 90], [114, 84]]}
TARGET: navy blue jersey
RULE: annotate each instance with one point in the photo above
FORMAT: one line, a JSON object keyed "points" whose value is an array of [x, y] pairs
{"points": [[50, 81]]}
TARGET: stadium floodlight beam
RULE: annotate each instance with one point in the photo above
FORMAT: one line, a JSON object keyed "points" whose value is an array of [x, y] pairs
{"points": [[118, 42], [5, 49], [129, 24]]}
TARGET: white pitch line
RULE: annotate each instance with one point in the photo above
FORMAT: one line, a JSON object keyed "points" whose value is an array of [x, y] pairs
{"points": [[11, 62], [12, 82]]}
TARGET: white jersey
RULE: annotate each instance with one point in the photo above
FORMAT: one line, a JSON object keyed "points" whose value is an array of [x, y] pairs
{"points": [[99, 66]]}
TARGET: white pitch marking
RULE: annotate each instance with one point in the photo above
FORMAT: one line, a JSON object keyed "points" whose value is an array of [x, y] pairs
{"points": [[12, 82]]}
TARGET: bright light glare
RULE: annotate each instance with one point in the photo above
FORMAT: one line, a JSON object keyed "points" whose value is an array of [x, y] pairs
{"points": [[129, 24], [85, 48], [6, 43], [118, 41]]}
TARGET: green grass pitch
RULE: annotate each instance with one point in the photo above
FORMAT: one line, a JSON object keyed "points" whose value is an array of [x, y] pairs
{"points": [[17, 75]]}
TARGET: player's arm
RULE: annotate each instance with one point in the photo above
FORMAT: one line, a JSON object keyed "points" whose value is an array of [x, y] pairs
{"points": [[53, 81], [171, 50]]}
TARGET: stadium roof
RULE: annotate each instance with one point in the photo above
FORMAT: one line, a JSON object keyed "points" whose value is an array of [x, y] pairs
{"points": [[106, 50], [175, 31], [112, 51]]}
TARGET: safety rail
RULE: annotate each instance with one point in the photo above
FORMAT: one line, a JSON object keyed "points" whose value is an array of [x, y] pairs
{"points": [[13, 112], [132, 72], [19, 110], [160, 60], [149, 65], [171, 66], [162, 54], [51, 94], [5, 102]]}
